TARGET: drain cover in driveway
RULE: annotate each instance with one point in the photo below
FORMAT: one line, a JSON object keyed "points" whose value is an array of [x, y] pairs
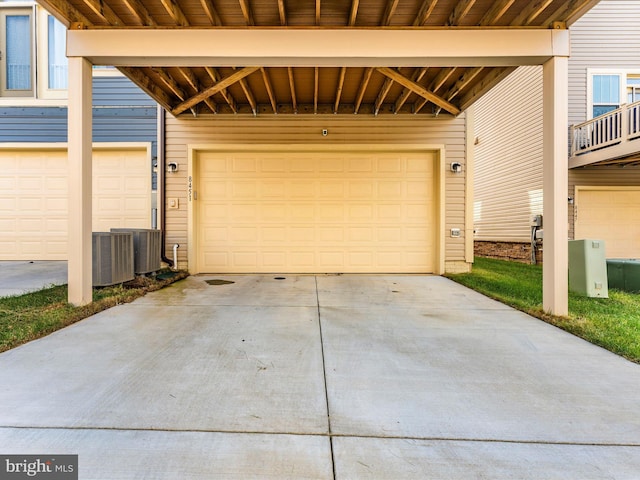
{"points": [[219, 282]]}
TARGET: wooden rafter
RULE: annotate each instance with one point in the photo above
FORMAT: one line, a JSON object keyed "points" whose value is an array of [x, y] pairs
{"points": [[354, 12], [175, 12], [363, 87], [249, 94], [441, 78], [267, 84], [193, 82], [64, 12], [389, 11], [212, 90], [103, 10], [318, 12], [282, 12], [343, 72], [292, 86], [461, 9], [419, 89], [425, 12], [211, 12], [467, 77], [246, 12], [316, 87], [148, 86], [418, 74], [531, 12], [567, 11], [170, 83], [495, 13], [140, 12], [382, 94], [215, 77]]}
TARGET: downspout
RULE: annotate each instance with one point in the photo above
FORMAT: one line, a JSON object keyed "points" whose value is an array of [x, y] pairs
{"points": [[162, 180]]}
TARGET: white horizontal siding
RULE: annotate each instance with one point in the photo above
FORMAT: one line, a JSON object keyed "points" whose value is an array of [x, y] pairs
{"points": [[508, 157]]}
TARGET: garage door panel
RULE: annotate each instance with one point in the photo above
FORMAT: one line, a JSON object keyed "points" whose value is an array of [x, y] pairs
{"points": [[35, 205], [612, 215], [320, 212]]}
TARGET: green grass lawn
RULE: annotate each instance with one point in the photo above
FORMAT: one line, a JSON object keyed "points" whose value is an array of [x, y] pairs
{"points": [[612, 323], [27, 317]]}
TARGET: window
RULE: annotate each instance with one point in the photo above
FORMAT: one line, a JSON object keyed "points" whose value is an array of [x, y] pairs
{"points": [[606, 94], [16, 66], [57, 60], [633, 88]]}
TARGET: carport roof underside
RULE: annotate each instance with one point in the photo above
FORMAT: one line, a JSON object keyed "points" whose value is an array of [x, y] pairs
{"points": [[424, 85]]}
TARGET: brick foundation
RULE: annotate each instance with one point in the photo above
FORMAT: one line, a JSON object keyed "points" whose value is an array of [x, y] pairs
{"points": [[514, 251]]}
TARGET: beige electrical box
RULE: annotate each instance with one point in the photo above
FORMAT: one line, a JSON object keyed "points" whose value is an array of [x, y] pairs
{"points": [[588, 268]]}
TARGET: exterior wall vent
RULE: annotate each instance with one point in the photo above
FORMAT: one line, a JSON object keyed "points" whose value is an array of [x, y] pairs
{"points": [[112, 258], [146, 249]]}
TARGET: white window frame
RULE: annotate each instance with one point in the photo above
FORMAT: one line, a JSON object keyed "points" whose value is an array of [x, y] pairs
{"points": [[19, 8], [623, 74], [42, 49]]}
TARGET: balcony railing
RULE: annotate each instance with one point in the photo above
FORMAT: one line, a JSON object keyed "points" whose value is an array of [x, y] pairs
{"points": [[612, 128]]}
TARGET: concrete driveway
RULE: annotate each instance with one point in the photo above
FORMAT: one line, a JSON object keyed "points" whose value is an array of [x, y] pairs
{"points": [[322, 377], [18, 277]]}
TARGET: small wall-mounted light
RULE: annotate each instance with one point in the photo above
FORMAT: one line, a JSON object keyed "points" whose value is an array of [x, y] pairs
{"points": [[325, 132], [172, 167], [570, 200], [456, 167]]}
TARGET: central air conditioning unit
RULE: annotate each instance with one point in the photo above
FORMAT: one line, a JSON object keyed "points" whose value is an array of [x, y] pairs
{"points": [[146, 249], [112, 258]]}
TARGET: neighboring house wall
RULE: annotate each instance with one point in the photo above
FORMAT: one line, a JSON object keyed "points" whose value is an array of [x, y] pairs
{"points": [[508, 177], [185, 132]]}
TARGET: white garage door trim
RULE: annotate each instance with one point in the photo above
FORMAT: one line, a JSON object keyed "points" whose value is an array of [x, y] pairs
{"points": [[439, 183], [579, 230], [109, 202]]}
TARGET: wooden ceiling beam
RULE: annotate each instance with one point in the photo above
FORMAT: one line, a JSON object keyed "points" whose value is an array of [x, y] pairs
{"points": [[316, 88], [441, 78], [139, 11], [532, 11], [318, 12], [246, 12], [64, 12], [194, 83], [382, 94], [568, 11], [148, 86], [461, 9], [282, 12], [419, 89], [175, 12], [425, 12], [354, 12], [390, 9], [212, 90], [418, 74], [104, 11], [467, 77], [267, 84], [292, 86], [343, 72], [496, 12], [366, 77], [211, 12], [249, 94], [215, 77]]}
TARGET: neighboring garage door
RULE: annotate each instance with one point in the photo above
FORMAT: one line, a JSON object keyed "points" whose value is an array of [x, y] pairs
{"points": [[612, 215], [33, 198], [315, 212]]}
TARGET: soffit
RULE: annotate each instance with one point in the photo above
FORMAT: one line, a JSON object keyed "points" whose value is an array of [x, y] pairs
{"points": [[419, 89]]}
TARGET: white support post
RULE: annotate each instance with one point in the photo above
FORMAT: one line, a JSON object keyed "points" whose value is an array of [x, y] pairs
{"points": [[555, 295], [79, 154]]}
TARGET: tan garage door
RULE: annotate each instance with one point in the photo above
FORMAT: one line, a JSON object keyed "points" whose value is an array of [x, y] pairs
{"points": [[612, 215], [33, 198], [315, 212]]}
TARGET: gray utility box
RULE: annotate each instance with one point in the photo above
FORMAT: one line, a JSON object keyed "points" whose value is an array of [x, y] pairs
{"points": [[112, 258], [146, 249], [588, 268], [624, 274]]}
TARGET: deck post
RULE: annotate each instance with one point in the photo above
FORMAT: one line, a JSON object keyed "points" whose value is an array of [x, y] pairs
{"points": [[79, 160], [555, 295]]}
